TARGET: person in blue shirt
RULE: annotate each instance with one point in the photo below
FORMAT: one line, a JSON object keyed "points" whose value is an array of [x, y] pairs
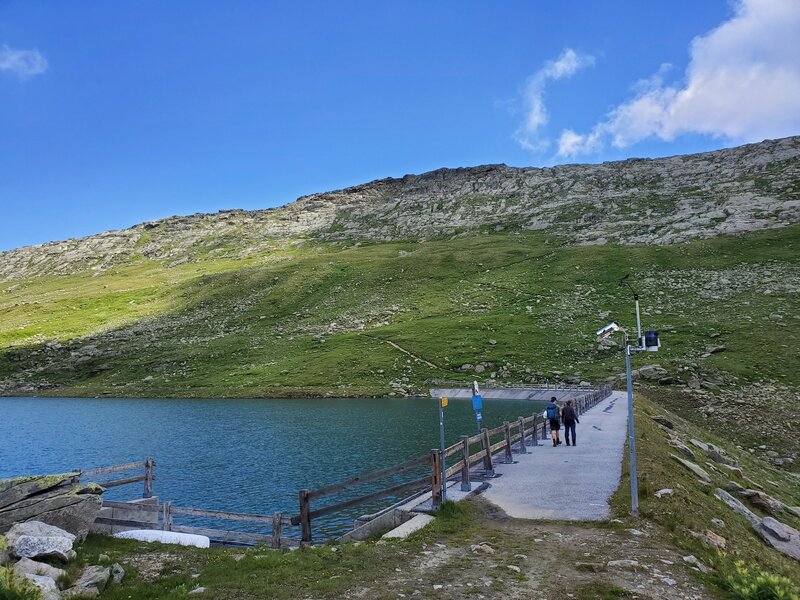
{"points": [[553, 414]]}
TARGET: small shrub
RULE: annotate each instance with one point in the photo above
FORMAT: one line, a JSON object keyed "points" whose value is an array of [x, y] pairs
{"points": [[17, 589], [753, 584]]}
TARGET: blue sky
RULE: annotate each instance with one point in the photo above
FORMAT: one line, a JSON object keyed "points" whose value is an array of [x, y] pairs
{"points": [[120, 112]]}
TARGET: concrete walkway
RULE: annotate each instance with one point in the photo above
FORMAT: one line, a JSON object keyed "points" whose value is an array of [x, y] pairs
{"points": [[567, 483]]}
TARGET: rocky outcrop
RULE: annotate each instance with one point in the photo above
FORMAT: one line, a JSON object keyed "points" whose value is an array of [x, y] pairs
{"points": [[780, 536], [58, 500], [34, 539], [636, 201]]}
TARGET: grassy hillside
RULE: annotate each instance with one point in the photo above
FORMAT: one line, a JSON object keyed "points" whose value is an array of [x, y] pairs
{"points": [[344, 318]]}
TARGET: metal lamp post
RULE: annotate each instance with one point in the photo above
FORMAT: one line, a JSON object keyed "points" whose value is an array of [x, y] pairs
{"points": [[649, 343]]}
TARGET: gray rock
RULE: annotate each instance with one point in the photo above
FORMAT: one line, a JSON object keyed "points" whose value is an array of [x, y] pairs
{"points": [[718, 523], [682, 448], [117, 573], [46, 585], [702, 445], [763, 501], [694, 561], [780, 536], [200, 590], [36, 529], [30, 567], [58, 500], [623, 564], [661, 420], [652, 372], [27, 546], [664, 492], [93, 580], [715, 349], [694, 468]]}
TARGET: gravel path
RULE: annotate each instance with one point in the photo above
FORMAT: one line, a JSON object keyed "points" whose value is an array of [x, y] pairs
{"points": [[566, 482]]}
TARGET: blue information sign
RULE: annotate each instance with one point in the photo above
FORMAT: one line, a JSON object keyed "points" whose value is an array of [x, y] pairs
{"points": [[478, 415], [477, 402]]}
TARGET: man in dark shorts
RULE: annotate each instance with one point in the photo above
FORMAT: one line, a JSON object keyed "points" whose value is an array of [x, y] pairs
{"points": [[554, 415], [569, 417]]}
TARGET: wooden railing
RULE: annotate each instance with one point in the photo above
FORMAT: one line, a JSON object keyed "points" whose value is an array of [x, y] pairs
{"points": [[148, 476], [480, 449], [503, 439], [160, 516]]}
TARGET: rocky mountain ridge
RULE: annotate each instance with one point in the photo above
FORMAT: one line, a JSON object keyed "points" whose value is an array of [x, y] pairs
{"points": [[635, 201]]}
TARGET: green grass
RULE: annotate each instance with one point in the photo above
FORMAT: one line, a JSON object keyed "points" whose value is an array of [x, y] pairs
{"points": [[692, 505]]}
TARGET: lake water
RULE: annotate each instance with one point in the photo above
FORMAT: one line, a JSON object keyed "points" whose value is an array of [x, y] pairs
{"points": [[236, 455]]}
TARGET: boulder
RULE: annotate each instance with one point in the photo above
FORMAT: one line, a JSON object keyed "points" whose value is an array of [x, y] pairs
{"points": [[59, 500], [36, 529], [682, 448], [91, 583], [763, 501], [778, 535], [694, 468], [117, 573], [26, 566], [28, 546], [652, 372], [664, 421], [47, 586]]}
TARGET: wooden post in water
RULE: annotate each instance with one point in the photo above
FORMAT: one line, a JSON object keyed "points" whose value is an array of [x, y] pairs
{"points": [[436, 478], [148, 478], [523, 448], [466, 485], [487, 460], [277, 530], [305, 518], [509, 456], [166, 519]]}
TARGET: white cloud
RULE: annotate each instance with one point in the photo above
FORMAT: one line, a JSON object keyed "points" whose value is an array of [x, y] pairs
{"points": [[533, 95], [742, 84], [23, 63]]}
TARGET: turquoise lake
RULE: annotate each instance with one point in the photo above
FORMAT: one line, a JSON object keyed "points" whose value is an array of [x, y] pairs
{"points": [[236, 455]]}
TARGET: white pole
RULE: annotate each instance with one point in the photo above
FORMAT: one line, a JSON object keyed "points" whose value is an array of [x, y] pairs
{"points": [[441, 443]]}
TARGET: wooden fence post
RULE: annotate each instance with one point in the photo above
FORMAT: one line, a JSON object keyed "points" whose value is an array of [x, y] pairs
{"points": [[277, 530], [305, 518], [523, 448], [148, 478], [544, 429], [166, 520], [466, 485], [436, 478], [535, 433], [509, 457], [487, 460]]}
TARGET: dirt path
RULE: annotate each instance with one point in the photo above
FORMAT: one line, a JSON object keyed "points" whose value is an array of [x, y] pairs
{"points": [[528, 559], [403, 350]]}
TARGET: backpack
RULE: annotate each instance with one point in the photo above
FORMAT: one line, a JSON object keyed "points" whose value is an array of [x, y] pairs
{"points": [[552, 411]]}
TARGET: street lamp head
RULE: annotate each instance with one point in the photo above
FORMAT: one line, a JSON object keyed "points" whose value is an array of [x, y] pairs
{"points": [[651, 341], [608, 330]]}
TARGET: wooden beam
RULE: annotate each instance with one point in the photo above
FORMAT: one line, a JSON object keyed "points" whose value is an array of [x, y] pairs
{"points": [[110, 484], [218, 514], [366, 477], [418, 483], [113, 469]]}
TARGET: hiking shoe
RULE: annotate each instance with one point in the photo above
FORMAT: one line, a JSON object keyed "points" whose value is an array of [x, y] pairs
{"points": [[567, 443]]}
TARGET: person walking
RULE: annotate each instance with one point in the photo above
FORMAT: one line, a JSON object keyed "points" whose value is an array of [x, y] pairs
{"points": [[553, 414], [569, 418]]}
